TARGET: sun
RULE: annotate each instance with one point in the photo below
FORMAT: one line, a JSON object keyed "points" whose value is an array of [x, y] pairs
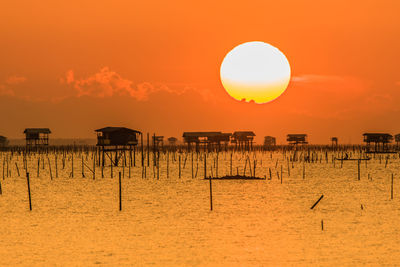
{"points": [[255, 71]]}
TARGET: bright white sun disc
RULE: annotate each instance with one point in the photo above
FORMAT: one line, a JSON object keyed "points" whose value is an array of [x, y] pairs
{"points": [[255, 71]]}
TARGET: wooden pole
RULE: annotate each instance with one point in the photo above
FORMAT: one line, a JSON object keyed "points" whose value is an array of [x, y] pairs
{"points": [[16, 165], [56, 166], [72, 164], [211, 203], [231, 163], [391, 189], [179, 165], [205, 165], [38, 167], [192, 165], [141, 138], [158, 165], [51, 175], [148, 149], [167, 164], [111, 169], [120, 198], [315, 204], [94, 166], [29, 191]]}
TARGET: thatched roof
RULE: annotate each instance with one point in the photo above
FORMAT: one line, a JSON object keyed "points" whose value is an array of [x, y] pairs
{"points": [[37, 130], [297, 135], [244, 133], [201, 134], [116, 129]]}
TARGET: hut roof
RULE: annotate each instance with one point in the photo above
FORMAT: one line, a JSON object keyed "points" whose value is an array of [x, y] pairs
{"points": [[296, 135], [172, 139], [378, 135], [244, 133], [200, 134], [116, 129], [3, 137], [37, 130]]}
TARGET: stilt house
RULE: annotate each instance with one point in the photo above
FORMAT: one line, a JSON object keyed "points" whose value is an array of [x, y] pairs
{"points": [[209, 140], [172, 141], [379, 141], [243, 139], [3, 141], [116, 140], [269, 141], [334, 141], [296, 139], [37, 136]]}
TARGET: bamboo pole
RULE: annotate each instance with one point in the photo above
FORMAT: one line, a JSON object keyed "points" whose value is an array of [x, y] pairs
{"points": [[211, 200], [29, 191], [120, 197]]}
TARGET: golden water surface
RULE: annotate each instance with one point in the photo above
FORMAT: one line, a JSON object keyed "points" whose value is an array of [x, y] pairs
{"points": [[168, 222]]}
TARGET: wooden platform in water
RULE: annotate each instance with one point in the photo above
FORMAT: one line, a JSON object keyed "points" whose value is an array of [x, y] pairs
{"points": [[352, 159], [235, 177], [381, 152]]}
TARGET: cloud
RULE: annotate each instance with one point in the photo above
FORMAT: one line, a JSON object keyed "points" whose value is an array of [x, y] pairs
{"points": [[108, 83], [6, 88], [331, 83], [6, 91], [15, 79], [333, 97]]}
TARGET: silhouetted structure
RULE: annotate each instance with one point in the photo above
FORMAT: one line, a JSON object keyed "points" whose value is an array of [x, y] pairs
{"points": [[172, 141], [37, 136], [380, 141], [334, 141], [158, 141], [243, 139], [118, 140], [3, 141], [296, 139], [209, 140], [269, 141], [397, 139]]}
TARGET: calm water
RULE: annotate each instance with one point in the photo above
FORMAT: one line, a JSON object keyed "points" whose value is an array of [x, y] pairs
{"points": [[168, 222]]}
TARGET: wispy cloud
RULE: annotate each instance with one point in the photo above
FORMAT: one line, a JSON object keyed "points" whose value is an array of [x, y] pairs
{"points": [[6, 91], [15, 79], [332, 83], [108, 83], [6, 87]]}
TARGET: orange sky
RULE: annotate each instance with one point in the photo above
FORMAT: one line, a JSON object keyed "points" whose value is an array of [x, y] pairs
{"points": [[154, 66]]}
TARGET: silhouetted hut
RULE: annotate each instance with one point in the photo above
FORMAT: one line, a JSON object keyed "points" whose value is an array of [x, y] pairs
{"points": [[243, 139], [3, 141], [37, 136], [397, 139], [334, 141], [296, 139], [208, 139], [158, 141], [172, 141], [380, 141], [118, 140], [269, 141]]}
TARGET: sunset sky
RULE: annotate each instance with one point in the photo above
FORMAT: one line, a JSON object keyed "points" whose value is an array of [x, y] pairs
{"points": [[75, 66]]}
